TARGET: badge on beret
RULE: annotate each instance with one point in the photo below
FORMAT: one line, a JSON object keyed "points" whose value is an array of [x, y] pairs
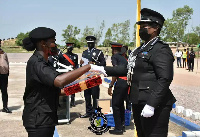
{"points": [[94, 54]]}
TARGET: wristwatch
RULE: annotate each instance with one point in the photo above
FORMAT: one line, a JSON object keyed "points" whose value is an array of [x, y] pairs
{"points": [[110, 86]]}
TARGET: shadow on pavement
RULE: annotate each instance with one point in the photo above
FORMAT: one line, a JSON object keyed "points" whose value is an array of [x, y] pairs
{"points": [[14, 107], [79, 102], [73, 116]]}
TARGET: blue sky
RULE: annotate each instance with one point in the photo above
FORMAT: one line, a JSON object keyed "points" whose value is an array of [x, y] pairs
{"points": [[24, 15]]}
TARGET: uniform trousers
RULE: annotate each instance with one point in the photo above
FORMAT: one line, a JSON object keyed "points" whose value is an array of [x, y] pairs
{"points": [[155, 126], [73, 99], [178, 61], [191, 64], [184, 62], [94, 92], [3, 88], [41, 131], [119, 95]]}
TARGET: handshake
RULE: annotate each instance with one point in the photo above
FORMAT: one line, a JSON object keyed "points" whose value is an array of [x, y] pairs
{"points": [[99, 69]]}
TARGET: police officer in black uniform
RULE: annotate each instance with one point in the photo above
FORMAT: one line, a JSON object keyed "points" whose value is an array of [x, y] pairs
{"points": [[149, 73], [57, 56], [43, 84], [94, 56], [120, 89], [71, 59]]}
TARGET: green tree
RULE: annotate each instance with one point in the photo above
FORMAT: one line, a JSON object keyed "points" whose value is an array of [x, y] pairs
{"points": [[20, 37], [70, 33], [174, 28], [108, 38], [86, 32], [115, 31], [197, 30], [124, 29], [99, 32], [191, 38], [134, 35]]}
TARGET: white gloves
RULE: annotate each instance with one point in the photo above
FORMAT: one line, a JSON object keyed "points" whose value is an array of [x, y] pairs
{"points": [[98, 68], [148, 111]]}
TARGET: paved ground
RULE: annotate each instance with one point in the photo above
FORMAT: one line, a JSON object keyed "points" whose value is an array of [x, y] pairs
{"points": [[11, 124]]}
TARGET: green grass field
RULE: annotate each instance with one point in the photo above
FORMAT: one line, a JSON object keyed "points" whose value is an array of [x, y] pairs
{"points": [[18, 49]]}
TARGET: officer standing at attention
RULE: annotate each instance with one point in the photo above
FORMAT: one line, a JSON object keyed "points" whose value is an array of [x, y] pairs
{"points": [[43, 84], [120, 89], [71, 59], [94, 56], [149, 73], [4, 73]]}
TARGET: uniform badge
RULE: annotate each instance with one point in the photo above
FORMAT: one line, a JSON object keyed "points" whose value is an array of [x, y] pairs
{"points": [[144, 53], [74, 57], [94, 54]]}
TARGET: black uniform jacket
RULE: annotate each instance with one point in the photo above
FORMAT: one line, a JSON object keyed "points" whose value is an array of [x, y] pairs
{"points": [[95, 55], [118, 60], [41, 96], [73, 57], [52, 60], [153, 74]]}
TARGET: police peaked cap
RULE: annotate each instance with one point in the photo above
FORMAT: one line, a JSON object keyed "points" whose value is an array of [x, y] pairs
{"points": [[148, 15], [42, 33], [116, 45], [90, 38], [69, 44]]}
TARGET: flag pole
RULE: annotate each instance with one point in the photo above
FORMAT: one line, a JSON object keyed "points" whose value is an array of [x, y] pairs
{"points": [[138, 26], [137, 41]]}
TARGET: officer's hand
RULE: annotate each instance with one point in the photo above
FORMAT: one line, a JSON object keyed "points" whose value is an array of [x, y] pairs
{"points": [[62, 92], [91, 62], [110, 91], [148, 111], [98, 68], [81, 61]]}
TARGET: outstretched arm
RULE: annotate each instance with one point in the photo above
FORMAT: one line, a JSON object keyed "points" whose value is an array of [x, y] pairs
{"points": [[66, 78]]}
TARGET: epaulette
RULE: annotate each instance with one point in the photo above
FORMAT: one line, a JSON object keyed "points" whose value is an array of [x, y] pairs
{"points": [[162, 42]]}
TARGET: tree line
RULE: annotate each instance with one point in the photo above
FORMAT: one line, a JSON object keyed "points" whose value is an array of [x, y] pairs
{"points": [[174, 30]]}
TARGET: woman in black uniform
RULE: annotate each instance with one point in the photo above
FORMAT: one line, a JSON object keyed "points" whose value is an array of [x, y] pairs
{"points": [[149, 73], [43, 84]]}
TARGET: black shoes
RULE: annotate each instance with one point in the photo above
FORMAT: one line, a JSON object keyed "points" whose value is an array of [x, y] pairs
{"points": [[6, 110], [124, 130], [116, 132], [72, 105], [85, 116]]}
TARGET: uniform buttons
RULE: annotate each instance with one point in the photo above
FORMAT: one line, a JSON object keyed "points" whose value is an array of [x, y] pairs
{"points": [[147, 87]]}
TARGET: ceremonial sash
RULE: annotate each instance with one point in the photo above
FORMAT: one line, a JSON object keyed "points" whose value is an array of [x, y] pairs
{"points": [[70, 61], [124, 78]]}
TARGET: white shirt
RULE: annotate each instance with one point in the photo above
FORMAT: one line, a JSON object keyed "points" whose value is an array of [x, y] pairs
{"points": [[4, 64], [178, 54]]}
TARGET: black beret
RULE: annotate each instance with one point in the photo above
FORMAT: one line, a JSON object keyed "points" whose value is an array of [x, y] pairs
{"points": [[116, 45], [148, 15], [42, 33], [90, 38], [0, 40]]}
